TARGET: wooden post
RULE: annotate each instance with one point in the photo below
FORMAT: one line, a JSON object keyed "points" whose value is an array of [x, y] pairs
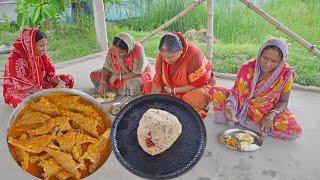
{"points": [[100, 24], [210, 29], [282, 28], [172, 20]]}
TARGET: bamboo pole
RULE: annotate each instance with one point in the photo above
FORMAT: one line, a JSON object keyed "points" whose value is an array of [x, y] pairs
{"points": [[172, 20], [282, 28], [210, 29]]}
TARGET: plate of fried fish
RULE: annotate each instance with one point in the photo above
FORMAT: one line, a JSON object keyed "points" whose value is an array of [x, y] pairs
{"points": [[241, 140], [106, 98], [59, 134]]}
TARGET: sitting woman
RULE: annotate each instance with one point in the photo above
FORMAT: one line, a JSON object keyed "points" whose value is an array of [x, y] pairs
{"points": [[260, 95], [29, 69], [183, 71], [126, 69]]}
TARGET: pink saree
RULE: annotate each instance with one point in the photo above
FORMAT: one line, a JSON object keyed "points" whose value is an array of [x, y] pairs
{"points": [[253, 100]]}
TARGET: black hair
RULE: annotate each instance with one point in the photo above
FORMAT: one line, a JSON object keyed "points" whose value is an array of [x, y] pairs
{"points": [[40, 35], [119, 43], [171, 43], [276, 48]]}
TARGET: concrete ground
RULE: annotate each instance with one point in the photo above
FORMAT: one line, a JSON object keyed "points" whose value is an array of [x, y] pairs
{"points": [[276, 160]]}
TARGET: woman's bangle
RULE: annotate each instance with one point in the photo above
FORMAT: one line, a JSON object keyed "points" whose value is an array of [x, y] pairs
{"points": [[174, 91], [277, 112]]}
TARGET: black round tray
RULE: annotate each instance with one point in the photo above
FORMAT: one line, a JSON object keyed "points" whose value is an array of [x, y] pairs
{"points": [[173, 162]]}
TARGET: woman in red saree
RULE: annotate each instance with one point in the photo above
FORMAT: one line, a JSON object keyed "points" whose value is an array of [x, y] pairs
{"points": [[29, 69], [183, 71], [260, 95], [126, 69]]}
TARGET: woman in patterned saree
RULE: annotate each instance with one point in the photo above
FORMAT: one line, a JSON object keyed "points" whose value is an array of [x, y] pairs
{"points": [[29, 69], [183, 71], [260, 95], [126, 69]]}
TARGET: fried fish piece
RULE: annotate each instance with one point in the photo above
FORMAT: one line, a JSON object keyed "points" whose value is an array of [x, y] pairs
{"points": [[50, 167], [66, 161], [63, 175], [73, 103], [37, 158], [77, 153], [23, 157], [88, 124], [63, 99], [70, 139], [86, 110], [93, 152], [34, 145], [45, 106], [33, 117], [61, 123]]}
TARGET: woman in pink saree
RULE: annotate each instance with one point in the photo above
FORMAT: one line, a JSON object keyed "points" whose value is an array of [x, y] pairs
{"points": [[259, 98]]}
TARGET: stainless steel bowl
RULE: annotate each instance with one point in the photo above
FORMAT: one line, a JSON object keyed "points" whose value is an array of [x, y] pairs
{"points": [[46, 92]]}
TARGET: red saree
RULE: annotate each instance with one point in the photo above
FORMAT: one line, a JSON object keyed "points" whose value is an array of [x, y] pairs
{"points": [[193, 69], [24, 70]]}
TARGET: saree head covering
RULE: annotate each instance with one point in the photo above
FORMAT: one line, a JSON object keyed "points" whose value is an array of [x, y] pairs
{"points": [[25, 70], [253, 98]]}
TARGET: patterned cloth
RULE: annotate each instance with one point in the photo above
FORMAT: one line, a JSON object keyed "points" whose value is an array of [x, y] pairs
{"points": [[136, 62], [193, 69], [25, 70], [253, 99]]}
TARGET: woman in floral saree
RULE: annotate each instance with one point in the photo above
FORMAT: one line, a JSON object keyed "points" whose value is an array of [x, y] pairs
{"points": [[183, 71], [29, 69], [260, 95], [126, 69]]}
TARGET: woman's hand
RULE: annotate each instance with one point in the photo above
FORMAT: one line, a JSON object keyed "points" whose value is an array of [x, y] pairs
{"points": [[267, 124], [33, 90], [56, 80], [102, 88], [167, 89], [230, 114], [113, 78]]}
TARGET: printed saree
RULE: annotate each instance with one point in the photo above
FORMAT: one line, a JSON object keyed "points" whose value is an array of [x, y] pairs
{"points": [[24, 70], [136, 62], [254, 99]]}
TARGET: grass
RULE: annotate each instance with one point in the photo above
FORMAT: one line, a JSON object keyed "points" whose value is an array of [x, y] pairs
{"points": [[239, 31], [65, 42]]}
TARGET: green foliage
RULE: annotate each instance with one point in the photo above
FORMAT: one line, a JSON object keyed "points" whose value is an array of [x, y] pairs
{"points": [[7, 25], [160, 11], [36, 12]]}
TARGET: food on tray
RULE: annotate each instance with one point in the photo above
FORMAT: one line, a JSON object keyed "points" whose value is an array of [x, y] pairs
{"points": [[231, 142], [246, 146], [241, 140], [157, 131], [242, 136], [108, 97], [60, 136]]}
